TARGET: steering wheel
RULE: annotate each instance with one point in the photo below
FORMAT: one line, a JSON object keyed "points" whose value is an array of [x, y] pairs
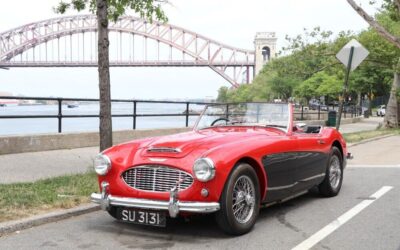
{"points": [[219, 119]]}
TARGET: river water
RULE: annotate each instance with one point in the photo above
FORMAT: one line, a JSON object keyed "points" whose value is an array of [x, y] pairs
{"points": [[50, 125]]}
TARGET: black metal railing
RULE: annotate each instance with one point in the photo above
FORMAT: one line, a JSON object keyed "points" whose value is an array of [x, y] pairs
{"points": [[320, 112], [60, 116], [301, 112]]}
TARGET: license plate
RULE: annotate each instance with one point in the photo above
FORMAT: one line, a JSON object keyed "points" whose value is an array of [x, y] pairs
{"points": [[143, 217]]}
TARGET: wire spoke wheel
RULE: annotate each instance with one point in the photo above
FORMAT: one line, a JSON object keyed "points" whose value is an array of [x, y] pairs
{"points": [[243, 199], [335, 172], [332, 182]]}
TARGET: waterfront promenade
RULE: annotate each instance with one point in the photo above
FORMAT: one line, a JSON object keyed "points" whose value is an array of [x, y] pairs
{"points": [[31, 166]]}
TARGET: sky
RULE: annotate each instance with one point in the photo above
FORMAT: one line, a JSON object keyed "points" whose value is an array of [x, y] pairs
{"points": [[231, 22]]}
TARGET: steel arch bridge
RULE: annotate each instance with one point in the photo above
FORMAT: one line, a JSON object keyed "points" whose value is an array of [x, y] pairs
{"points": [[70, 41]]}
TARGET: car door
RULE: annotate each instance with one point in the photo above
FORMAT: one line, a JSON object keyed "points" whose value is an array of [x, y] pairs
{"points": [[280, 165], [311, 159]]}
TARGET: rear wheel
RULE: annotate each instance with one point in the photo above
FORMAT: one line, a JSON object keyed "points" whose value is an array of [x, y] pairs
{"points": [[240, 201], [334, 174]]}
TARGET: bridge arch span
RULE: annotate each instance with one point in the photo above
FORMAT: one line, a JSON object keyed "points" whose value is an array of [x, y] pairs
{"points": [[229, 62]]}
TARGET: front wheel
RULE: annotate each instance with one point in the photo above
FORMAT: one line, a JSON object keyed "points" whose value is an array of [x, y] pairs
{"points": [[240, 201], [334, 174]]}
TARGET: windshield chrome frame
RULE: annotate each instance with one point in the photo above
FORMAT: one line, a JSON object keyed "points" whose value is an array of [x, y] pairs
{"points": [[287, 130]]}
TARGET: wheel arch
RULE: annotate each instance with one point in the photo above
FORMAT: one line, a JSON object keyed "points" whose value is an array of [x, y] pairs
{"points": [[337, 144], [262, 178]]}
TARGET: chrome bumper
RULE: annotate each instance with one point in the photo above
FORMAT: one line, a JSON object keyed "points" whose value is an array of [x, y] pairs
{"points": [[173, 206]]}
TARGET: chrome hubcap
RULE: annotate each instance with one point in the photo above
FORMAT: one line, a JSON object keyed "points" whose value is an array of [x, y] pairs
{"points": [[243, 199], [335, 172]]}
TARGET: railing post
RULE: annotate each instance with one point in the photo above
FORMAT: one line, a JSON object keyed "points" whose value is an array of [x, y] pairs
{"points": [[134, 115], [187, 114], [227, 111], [319, 112], [352, 111], [59, 116], [302, 110]]}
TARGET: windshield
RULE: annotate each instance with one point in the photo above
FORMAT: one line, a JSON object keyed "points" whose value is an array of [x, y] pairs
{"points": [[245, 114]]}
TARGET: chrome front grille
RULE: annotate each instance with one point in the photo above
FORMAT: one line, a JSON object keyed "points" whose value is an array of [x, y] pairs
{"points": [[157, 178]]}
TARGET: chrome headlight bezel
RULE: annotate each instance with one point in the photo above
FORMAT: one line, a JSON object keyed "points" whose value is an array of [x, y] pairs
{"points": [[102, 164], [204, 169]]}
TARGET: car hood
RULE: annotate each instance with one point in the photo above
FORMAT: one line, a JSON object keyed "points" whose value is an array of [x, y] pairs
{"points": [[180, 145]]}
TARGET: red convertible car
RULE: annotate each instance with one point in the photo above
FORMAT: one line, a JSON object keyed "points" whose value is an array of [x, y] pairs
{"points": [[238, 158]]}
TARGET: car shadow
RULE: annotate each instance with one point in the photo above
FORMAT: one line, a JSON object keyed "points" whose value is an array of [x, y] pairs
{"points": [[196, 229]]}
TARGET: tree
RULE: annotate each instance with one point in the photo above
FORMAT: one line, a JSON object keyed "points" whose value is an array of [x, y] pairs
{"points": [[222, 94], [283, 87], [110, 10], [389, 30], [320, 84]]}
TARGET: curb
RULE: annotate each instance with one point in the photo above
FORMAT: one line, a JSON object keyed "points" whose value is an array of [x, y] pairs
{"points": [[17, 225], [369, 140]]}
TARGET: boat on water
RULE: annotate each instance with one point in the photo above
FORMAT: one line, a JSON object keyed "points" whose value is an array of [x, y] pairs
{"points": [[73, 105]]}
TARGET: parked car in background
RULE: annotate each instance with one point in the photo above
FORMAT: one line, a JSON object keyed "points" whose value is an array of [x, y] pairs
{"points": [[324, 107], [238, 158], [381, 111]]}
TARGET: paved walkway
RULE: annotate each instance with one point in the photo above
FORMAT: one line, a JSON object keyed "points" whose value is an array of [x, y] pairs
{"points": [[26, 167], [366, 124]]}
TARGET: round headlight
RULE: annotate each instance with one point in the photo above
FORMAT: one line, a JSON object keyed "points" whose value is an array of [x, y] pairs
{"points": [[204, 169], [102, 164]]}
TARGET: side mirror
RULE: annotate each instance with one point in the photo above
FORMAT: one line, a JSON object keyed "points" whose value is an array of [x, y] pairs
{"points": [[300, 125]]}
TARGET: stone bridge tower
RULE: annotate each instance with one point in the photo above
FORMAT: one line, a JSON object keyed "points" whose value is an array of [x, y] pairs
{"points": [[265, 49]]}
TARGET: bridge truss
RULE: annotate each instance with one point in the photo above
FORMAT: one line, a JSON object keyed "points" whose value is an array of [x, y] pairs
{"points": [[71, 42]]}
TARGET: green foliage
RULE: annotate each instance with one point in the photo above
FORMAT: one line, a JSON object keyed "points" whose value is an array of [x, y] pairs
{"points": [[283, 87], [148, 9], [222, 94], [320, 84], [308, 68]]}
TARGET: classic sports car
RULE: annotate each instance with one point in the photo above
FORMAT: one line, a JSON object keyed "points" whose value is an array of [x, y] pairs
{"points": [[238, 158]]}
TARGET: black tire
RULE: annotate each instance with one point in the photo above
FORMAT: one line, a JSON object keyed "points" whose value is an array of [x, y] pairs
{"points": [[225, 217], [112, 211], [334, 170]]}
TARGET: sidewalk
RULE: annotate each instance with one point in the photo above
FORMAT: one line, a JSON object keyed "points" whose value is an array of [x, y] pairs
{"points": [[26, 167], [370, 123]]}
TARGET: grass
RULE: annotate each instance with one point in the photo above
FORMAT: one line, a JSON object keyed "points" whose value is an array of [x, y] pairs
{"points": [[363, 135], [26, 199]]}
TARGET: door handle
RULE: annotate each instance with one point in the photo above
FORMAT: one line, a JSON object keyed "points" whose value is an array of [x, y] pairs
{"points": [[320, 141]]}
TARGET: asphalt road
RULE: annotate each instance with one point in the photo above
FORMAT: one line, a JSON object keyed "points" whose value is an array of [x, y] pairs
{"points": [[285, 226]]}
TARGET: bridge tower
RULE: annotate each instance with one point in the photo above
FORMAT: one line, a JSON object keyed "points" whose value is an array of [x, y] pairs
{"points": [[265, 49]]}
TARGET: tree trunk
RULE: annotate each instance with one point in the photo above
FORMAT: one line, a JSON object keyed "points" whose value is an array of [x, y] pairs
{"points": [[374, 24], [392, 108], [105, 126]]}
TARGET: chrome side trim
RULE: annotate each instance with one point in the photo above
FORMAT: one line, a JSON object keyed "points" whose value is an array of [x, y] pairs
{"points": [[313, 177], [182, 206], [282, 187]]}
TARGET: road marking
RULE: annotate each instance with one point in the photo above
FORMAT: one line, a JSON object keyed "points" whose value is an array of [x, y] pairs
{"points": [[373, 166], [331, 227]]}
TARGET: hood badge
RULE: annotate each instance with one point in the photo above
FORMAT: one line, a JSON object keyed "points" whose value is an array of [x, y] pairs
{"points": [[157, 159]]}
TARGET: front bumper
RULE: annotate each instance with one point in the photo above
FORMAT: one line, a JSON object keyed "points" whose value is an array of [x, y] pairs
{"points": [[173, 206]]}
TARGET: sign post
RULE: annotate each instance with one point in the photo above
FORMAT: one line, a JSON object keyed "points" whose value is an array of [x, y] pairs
{"points": [[351, 55]]}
